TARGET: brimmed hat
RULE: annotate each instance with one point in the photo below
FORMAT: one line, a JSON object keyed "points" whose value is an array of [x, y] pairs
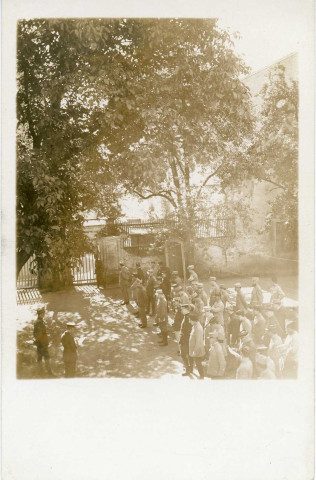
{"points": [[70, 324], [237, 285]]}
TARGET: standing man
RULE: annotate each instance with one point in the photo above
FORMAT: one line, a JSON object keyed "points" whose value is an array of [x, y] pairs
{"points": [[185, 332], [70, 350], [196, 345], [216, 360], [141, 300], [217, 308], [41, 341], [150, 290], [245, 369], [139, 273], [124, 280], [214, 291], [224, 294], [192, 274], [277, 293], [241, 303], [162, 317], [202, 294], [256, 294]]}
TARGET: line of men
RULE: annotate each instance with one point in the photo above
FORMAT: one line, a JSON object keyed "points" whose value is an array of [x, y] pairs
{"points": [[221, 334]]}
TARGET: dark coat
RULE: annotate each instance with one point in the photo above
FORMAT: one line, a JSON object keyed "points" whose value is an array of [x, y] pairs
{"points": [[70, 346], [40, 333]]}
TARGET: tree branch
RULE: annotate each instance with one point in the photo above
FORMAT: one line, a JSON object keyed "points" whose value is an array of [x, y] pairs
{"points": [[162, 194], [207, 179], [273, 183]]}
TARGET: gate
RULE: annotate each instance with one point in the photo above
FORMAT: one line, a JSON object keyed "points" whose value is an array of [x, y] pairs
{"points": [[84, 272], [28, 275]]}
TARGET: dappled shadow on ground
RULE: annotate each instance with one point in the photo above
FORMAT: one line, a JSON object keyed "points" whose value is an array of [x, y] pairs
{"points": [[111, 343]]}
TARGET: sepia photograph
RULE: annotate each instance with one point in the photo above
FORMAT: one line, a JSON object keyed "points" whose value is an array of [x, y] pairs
{"points": [[157, 202], [158, 240]]}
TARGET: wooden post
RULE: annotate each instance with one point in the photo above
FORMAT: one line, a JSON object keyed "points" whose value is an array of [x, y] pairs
{"points": [[183, 264]]}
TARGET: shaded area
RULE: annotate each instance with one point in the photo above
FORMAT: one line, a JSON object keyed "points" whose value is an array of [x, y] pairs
{"points": [[110, 341]]}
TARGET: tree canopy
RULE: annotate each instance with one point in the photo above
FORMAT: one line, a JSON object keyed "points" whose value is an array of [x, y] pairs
{"points": [[111, 106]]}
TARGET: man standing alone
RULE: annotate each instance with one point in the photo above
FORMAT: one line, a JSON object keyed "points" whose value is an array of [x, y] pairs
{"points": [[41, 341], [70, 351]]}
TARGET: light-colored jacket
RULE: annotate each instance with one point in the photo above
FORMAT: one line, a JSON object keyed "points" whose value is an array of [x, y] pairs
{"points": [[218, 311], [245, 369], [216, 363], [256, 296], [196, 342]]}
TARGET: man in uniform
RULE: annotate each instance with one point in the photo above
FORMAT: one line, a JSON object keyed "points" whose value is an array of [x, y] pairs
{"points": [[139, 273], [217, 308], [41, 341], [192, 274], [241, 303], [202, 294], [256, 294], [70, 350], [124, 282], [162, 317], [185, 331], [150, 290], [141, 300], [215, 290]]}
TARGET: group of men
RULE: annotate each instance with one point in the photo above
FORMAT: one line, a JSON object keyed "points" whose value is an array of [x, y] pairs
{"points": [[41, 342], [221, 333]]}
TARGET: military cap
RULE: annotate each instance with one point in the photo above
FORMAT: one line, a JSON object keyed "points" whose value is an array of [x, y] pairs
{"points": [[213, 333], [190, 267], [199, 284], [239, 312], [122, 263], [222, 286], [175, 272], [184, 305], [213, 279], [237, 285], [40, 309], [159, 290]]}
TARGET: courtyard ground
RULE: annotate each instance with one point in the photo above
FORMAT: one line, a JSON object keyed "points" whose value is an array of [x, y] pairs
{"points": [[111, 344]]}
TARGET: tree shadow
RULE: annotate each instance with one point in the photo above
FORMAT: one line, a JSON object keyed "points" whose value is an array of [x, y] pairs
{"points": [[111, 343]]}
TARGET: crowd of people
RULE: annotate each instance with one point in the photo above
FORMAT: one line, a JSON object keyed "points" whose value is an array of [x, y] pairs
{"points": [[221, 333]]}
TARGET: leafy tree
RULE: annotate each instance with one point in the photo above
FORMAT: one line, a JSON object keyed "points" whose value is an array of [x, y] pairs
{"points": [[196, 113], [276, 149], [67, 86]]}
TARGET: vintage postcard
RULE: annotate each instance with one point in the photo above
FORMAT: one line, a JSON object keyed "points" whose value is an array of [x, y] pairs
{"points": [[158, 241]]}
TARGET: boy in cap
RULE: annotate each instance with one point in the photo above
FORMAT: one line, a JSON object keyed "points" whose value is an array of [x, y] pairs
{"points": [[41, 341], [70, 350]]}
